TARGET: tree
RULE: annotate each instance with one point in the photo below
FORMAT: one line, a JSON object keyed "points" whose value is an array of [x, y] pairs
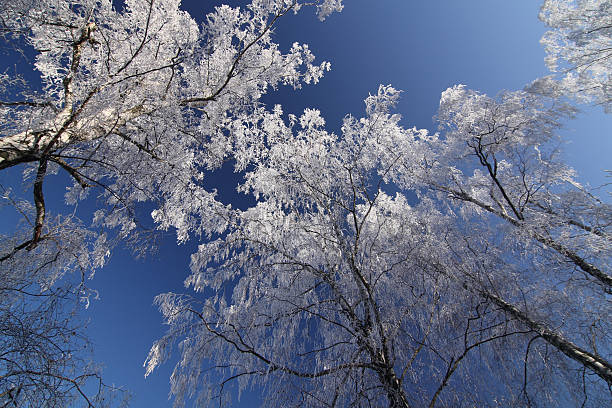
{"points": [[340, 288], [510, 170], [137, 101], [382, 266], [134, 104], [43, 349], [518, 175], [578, 46]]}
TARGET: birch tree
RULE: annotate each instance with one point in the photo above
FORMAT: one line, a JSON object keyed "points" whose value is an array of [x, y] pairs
{"points": [[340, 288], [503, 157], [44, 352], [136, 101], [134, 105], [382, 266], [578, 47]]}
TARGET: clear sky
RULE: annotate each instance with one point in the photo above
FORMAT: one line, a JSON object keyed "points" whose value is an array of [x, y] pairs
{"points": [[421, 47]]}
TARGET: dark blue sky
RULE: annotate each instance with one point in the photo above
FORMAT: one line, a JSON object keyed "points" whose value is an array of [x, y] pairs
{"points": [[421, 47]]}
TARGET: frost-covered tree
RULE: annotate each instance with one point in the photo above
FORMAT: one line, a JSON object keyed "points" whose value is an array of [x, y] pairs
{"points": [[133, 104], [579, 47], [43, 350], [381, 266], [361, 278], [503, 157], [137, 101], [499, 160]]}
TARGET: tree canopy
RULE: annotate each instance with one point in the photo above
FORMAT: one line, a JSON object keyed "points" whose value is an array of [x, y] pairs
{"points": [[380, 265], [578, 47]]}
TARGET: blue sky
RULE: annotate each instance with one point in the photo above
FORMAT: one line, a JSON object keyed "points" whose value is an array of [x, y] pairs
{"points": [[419, 47]]}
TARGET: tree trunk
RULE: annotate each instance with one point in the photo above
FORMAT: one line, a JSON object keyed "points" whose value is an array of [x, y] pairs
{"points": [[600, 366], [395, 393]]}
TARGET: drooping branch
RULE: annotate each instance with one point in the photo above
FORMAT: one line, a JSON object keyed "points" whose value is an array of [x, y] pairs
{"points": [[242, 347], [525, 360], [595, 363], [75, 382], [453, 363]]}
